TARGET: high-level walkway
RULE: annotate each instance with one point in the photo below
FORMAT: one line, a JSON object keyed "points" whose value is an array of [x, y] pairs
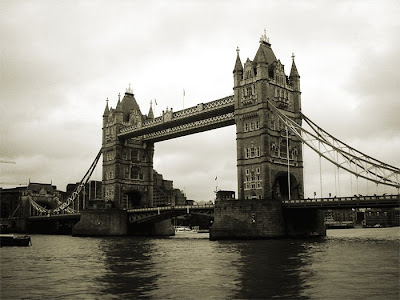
{"points": [[199, 118]]}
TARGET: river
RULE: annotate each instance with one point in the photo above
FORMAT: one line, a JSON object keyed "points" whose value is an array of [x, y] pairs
{"points": [[347, 264]]}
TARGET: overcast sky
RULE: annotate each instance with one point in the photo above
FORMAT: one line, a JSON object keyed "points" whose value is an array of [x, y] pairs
{"points": [[60, 60]]}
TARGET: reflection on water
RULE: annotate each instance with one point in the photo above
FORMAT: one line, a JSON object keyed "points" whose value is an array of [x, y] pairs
{"points": [[350, 263]]}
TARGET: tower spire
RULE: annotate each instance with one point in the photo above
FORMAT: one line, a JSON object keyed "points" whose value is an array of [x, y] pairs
{"points": [[264, 38], [106, 110], [151, 114], [129, 89], [293, 70]]}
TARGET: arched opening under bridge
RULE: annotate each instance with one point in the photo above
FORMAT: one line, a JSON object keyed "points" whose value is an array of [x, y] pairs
{"points": [[132, 199], [280, 188]]}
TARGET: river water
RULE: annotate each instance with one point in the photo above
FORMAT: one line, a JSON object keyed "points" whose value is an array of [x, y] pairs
{"points": [[347, 264]]}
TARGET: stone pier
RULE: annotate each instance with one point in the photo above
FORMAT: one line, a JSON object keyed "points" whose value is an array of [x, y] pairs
{"points": [[263, 219]]}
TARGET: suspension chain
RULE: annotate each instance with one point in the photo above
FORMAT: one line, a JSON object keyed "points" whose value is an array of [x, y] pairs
{"points": [[63, 206], [353, 161]]}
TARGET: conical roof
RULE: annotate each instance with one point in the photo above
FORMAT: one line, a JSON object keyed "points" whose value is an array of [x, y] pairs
{"points": [[238, 65], [127, 104], [150, 114], [106, 110], [293, 70], [265, 54]]}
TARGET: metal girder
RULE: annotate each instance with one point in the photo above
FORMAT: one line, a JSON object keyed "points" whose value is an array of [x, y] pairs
{"points": [[191, 127], [341, 154], [179, 122]]}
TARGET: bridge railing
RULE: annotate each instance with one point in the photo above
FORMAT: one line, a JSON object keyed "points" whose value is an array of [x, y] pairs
{"points": [[169, 208], [184, 113], [343, 199]]}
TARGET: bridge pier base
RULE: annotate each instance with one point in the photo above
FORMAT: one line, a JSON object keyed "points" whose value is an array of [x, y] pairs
{"points": [[101, 222], [247, 219], [263, 219]]}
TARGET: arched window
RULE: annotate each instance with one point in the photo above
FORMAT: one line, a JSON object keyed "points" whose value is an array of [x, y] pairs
{"points": [[283, 148]]}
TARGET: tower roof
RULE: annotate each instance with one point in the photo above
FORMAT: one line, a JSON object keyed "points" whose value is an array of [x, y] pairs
{"points": [[106, 110], [264, 53], [151, 114], [129, 103], [293, 70], [238, 63], [118, 108]]}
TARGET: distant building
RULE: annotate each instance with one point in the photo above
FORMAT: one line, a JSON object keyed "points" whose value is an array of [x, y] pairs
{"points": [[90, 194], [381, 217], [368, 217], [164, 192], [15, 202], [340, 218]]}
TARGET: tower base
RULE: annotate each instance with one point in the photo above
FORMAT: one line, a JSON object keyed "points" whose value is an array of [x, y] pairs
{"points": [[263, 219], [247, 219], [101, 222]]}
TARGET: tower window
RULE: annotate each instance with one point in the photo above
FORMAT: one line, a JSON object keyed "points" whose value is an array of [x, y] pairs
{"points": [[134, 155], [134, 173], [126, 172]]}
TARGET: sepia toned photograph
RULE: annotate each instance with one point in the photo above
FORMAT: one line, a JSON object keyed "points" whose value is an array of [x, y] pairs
{"points": [[199, 149]]}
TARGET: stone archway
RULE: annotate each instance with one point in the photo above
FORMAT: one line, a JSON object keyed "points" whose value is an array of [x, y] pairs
{"points": [[132, 199], [280, 188]]}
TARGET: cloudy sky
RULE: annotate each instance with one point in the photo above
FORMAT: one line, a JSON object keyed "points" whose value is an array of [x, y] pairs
{"points": [[60, 60]]}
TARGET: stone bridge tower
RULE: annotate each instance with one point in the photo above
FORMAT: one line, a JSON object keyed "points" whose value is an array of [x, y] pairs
{"points": [[266, 153], [127, 164]]}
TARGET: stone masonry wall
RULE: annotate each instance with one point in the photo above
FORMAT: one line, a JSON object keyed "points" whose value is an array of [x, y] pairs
{"points": [[247, 219]]}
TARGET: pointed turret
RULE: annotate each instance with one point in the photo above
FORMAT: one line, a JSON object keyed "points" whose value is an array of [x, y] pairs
{"points": [[106, 110], [150, 115], [294, 76], [118, 108], [293, 70], [238, 70], [294, 80], [238, 63]]}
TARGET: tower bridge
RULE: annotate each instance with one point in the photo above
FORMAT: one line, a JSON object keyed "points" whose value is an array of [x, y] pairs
{"points": [[266, 110]]}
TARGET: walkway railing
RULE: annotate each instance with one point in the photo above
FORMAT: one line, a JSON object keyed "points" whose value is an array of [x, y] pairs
{"points": [[171, 119], [169, 208], [355, 201]]}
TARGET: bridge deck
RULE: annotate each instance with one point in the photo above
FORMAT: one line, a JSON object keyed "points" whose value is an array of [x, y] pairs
{"points": [[345, 202], [204, 116]]}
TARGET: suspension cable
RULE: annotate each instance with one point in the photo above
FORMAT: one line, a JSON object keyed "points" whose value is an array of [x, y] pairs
{"points": [[63, 206], [355, 161]]}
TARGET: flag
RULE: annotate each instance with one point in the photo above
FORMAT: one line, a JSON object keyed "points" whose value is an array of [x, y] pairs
{"points": [[183, 92], [216, 177], [155, 101]]}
